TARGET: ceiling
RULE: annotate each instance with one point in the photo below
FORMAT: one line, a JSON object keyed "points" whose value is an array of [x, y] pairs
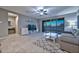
{"points": [[30, 11]]}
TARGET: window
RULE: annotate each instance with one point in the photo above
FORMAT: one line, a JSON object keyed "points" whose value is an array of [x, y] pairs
{"points": [[53, 25]]}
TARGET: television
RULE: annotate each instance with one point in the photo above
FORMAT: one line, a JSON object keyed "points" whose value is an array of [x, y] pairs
{"points": [[31, 27]]}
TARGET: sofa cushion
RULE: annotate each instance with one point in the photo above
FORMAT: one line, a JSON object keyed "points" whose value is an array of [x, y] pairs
{"points": [[70, 38]]}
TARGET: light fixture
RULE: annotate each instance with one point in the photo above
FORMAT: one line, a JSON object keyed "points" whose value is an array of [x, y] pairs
{"points": [[0, 21], [41, 11]]}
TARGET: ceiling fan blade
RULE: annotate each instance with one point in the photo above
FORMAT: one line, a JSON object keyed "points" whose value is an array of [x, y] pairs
{"points": [[45, 13]]}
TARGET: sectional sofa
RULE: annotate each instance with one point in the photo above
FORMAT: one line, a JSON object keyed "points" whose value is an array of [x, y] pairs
{"points": [[69, 43]]}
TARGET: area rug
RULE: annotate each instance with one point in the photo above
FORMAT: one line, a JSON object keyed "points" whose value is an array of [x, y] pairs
{"points": [[49, 46]]}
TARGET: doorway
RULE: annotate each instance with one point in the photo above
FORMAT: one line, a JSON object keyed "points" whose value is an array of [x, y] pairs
{"points": [[12, 23]]}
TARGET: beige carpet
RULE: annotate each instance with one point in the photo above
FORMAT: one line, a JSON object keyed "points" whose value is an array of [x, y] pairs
{"points": [[23, 44]]}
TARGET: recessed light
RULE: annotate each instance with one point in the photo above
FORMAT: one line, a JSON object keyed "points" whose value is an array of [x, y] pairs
{"points": [[0, 21]]}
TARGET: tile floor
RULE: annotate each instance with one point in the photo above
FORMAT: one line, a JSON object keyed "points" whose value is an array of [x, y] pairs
{"points": [[23, 44]]}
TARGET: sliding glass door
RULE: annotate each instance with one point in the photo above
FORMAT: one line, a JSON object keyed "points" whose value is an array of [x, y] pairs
{"points": [[47, 26], [60, 25], [53, 25]]}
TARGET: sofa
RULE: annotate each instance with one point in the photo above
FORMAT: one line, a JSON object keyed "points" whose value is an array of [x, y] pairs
{"points": [[69, 43]]}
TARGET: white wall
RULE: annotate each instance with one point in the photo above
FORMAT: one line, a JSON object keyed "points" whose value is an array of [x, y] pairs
{"points": [[3, 23], [23, 21]]}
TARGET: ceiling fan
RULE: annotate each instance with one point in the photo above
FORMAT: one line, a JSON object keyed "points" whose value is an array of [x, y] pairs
{"points": [[42, 11]]}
